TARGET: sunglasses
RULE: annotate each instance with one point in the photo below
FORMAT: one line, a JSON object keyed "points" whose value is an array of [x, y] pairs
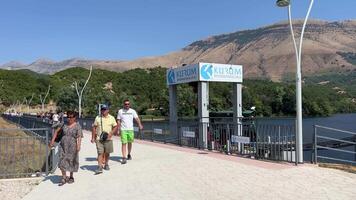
{"points": [[126, 104], [70, 117]]}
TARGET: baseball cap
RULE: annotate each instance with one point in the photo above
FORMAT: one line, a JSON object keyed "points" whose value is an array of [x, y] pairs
{"points": [[104, 107]]}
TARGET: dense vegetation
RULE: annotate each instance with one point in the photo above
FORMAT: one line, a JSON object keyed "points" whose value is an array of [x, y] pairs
{"points": [[148, 92]]}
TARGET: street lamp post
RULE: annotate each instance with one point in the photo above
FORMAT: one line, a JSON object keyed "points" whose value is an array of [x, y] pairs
{"points": [[298, 52]]}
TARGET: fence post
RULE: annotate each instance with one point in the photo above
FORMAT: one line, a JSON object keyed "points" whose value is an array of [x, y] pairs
{"points": [[47, 153], [315, 149]]}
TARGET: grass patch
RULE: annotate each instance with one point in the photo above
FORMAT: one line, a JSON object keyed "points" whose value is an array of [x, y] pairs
{"points": [[347, 168]]}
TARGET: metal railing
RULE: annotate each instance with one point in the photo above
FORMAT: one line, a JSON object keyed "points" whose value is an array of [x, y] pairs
{"points": [[240, 136], [24, 152], [333, 145], [260, 141]]}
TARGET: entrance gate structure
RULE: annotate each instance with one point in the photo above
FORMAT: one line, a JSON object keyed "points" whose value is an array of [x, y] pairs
{"points": [[202, 74]]}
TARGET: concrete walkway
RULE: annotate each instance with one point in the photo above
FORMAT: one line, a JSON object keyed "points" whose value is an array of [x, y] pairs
{"points": [[160, 171]]}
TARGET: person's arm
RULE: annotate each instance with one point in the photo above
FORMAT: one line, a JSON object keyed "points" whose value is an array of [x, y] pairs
{"points": [[79, 138], [139, 123], [113, 131], [93, 134], [93, 131], [51, 144], [118, 122], [114, 128], [118, 127]]}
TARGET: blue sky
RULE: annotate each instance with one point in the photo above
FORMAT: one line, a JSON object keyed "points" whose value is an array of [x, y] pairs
{"points": [[129, 29]]}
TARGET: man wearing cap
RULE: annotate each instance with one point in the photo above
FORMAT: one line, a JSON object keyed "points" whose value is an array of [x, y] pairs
{"points": [[125, 118], [104, 125]]}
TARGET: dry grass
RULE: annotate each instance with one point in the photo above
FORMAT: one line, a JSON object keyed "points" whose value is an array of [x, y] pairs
{"points": [[347, 168], [19, 153]]}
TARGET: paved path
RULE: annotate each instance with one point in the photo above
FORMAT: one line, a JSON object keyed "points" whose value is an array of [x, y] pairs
{"points": [[167, 172]]}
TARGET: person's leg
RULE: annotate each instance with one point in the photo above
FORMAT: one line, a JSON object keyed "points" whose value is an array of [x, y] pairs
{"points": [[106, 160], [129, 147], [109, 148], [124, 146], [100, 160], [123, 150], [100, 149], [64, 178], [63, 173], [130, 139], [71, 178]]}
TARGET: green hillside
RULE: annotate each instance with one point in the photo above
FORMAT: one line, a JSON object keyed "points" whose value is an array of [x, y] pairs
{"points": [[147, 90]]}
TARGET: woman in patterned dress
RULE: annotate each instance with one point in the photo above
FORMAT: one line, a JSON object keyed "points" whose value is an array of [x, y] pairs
{"points": [[69, 148]]}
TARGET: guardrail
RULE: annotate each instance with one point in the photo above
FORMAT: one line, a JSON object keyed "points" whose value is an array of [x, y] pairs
{"points": [[24, 152], [242, 137], [325, 141], [261, 141]]}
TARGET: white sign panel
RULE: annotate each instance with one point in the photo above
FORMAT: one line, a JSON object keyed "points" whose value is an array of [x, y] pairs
{"points": [[240, 139], [220, 72], [190, 134], [211, 72], [184, 74], [157, 131]]}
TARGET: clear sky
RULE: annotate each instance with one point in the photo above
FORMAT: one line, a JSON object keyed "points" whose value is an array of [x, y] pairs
{"points": [[129, 29]]}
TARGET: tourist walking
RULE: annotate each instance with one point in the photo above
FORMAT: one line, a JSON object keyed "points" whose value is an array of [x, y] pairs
{"points": [[125, 118], [69, 147], [103, 129]]}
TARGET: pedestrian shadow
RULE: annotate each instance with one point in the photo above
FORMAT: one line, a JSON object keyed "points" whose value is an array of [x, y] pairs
{"points": [[112, 158], [55, 179], [89, 167], [116, 158], [91, 159]]}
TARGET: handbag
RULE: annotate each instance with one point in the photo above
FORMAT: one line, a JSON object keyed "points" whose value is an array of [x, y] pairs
{"points": [[59, 135], [103, 135]]}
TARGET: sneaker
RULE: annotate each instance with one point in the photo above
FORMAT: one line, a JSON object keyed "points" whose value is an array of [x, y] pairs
{"points": [[123, 161], [99, 170], [129, 157], [106, 167]]}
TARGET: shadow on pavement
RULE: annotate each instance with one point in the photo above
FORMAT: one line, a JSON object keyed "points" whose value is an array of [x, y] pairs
{"points": [[55, 179], [89, 167], [91, 159], [116, 158]]}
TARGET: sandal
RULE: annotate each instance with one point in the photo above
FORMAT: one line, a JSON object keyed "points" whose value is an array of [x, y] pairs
{"points": [[71, 180], [63, 181]]}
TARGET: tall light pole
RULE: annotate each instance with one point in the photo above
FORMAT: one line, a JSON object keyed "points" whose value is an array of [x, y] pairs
{"points": [[298, 53]]}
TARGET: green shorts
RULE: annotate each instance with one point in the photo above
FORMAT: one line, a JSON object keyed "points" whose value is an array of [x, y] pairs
{"points": [[127, 136]]}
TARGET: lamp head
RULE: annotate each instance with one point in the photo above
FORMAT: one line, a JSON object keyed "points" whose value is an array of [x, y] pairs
{"points": [[283, 3]]}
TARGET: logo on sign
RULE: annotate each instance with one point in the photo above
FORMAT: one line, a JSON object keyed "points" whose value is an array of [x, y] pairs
{"points": [[171, 77], [207, 71]]}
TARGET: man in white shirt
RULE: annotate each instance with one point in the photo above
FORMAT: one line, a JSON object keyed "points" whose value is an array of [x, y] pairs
{"points": [[55, 118], [125, 118]]}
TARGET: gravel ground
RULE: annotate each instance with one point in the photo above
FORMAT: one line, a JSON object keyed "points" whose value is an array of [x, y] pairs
{"points": [[14, 189]]}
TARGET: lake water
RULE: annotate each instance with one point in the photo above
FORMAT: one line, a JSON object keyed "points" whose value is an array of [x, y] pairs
{"points": [[345, 122]]}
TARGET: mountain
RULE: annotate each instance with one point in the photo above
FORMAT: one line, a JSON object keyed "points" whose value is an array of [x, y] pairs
{"points": [[12, 65], [266, 52]]}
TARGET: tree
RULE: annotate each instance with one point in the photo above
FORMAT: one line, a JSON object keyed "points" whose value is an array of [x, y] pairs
{"points": [[80, 94], [43, 100]]}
